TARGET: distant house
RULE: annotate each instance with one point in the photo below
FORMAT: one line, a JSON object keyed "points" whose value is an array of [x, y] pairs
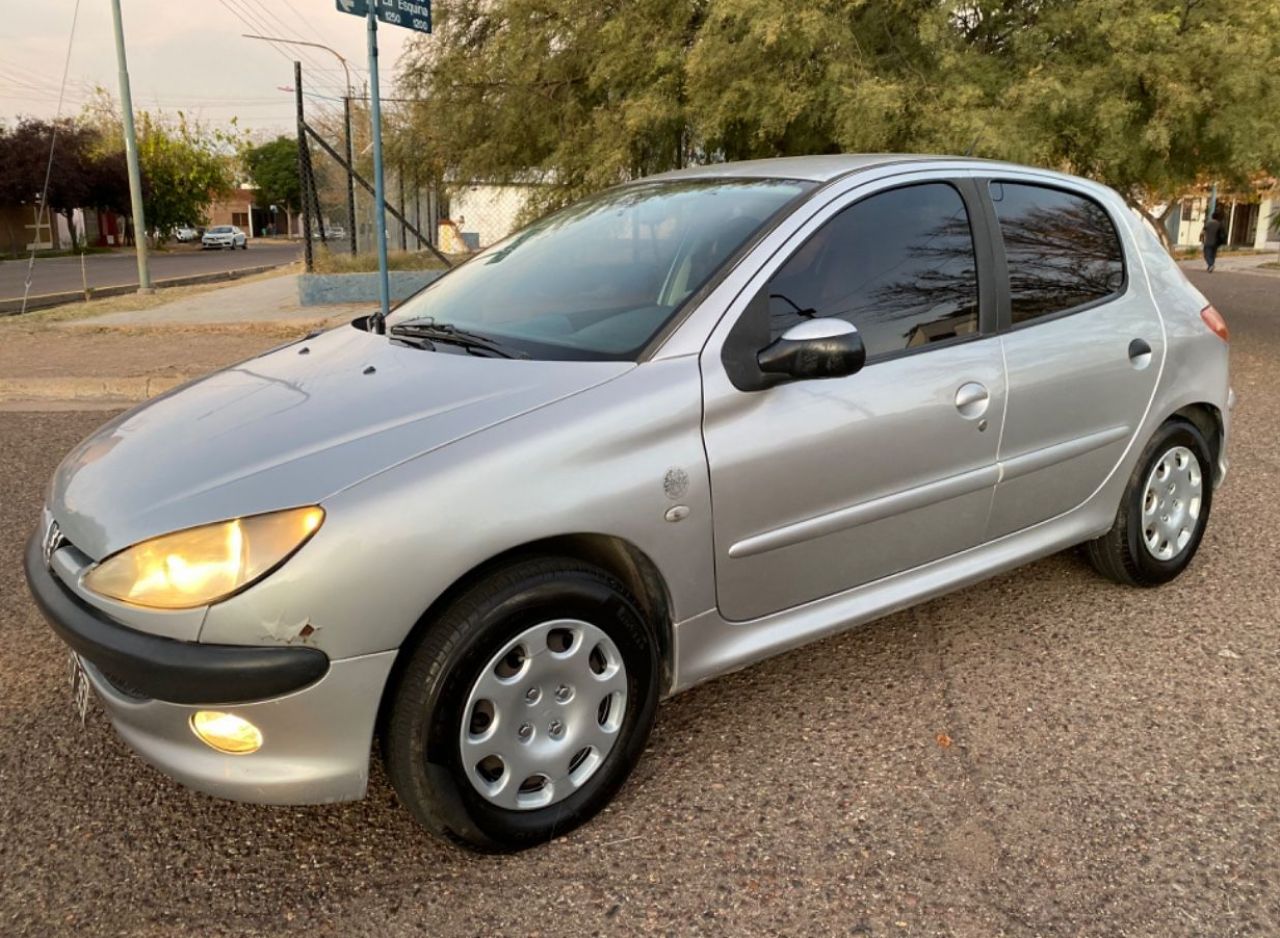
{"points": [[22, 229], [237, 208], [1248, 218]]}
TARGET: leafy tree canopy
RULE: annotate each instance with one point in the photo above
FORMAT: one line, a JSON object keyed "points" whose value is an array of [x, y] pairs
{"points": [[81, 175], [186, 165], [1149, 96], [273, 166]]}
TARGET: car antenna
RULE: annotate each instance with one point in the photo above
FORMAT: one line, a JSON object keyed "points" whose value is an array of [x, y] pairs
{"points": [[972, 146]]}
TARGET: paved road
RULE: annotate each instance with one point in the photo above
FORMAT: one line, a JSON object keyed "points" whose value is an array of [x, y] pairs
{"points": [[57, 274], [1112, 768]]}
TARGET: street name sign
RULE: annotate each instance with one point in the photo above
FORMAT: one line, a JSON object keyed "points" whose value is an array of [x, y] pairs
{"points": [[411, 14]]}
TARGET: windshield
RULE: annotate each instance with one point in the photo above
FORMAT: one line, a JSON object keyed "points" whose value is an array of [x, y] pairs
{"points": [[221, 229], [600, 278]]}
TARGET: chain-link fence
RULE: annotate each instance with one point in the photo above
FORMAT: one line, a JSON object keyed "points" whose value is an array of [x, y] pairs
{"points": [[429, 221]]}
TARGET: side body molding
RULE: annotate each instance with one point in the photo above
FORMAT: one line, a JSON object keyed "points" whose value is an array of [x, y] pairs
{"points": [[922, 496]]}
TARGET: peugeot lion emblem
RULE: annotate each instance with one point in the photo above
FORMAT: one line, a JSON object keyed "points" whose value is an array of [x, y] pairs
{"points": [[53, 539]]}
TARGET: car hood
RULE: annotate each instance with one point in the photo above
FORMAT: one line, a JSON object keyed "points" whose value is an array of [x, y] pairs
{"points": [[289, 428]]}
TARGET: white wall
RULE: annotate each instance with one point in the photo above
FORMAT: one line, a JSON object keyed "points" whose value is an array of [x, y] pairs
{"points": [[489, 211]]}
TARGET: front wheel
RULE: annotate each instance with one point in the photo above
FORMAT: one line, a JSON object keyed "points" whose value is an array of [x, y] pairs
{"points": [[1163, 514], [523, 707]]}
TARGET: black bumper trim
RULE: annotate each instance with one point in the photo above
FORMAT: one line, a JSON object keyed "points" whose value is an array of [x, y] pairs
{"points": [[165, 668]]}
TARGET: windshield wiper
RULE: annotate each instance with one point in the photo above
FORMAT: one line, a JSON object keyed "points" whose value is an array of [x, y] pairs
{"points": [[426, 333]]}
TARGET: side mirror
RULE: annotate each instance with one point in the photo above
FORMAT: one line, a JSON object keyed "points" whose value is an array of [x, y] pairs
{"points": [[815, 348]]}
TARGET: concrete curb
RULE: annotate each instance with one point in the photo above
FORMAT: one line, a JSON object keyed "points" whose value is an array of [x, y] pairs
{"points": [[324, 289], [123, 390], [13, 306]]}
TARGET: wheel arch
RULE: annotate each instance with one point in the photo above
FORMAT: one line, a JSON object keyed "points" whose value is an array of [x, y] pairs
{"points": [[1208, 420], [614, 555]]}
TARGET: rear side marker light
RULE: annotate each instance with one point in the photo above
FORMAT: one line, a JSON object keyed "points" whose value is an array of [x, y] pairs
{"points": [[1213, 319]]}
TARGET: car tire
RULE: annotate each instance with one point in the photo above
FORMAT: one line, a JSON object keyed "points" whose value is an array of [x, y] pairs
{"points": [[1163, 514], [434, 709]]}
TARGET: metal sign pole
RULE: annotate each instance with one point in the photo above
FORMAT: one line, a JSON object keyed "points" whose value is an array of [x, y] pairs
{"points": [[379, 190]]}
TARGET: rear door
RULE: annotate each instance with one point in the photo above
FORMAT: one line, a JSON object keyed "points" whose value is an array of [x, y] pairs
{"points": [[1083, 347]]}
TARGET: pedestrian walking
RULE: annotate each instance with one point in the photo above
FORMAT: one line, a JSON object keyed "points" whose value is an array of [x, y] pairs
{"points": [[1214, 235]]}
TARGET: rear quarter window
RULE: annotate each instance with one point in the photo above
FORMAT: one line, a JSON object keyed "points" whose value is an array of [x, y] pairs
{"points": [[1061, 248]]}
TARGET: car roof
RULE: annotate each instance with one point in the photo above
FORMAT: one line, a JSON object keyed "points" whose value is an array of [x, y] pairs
{"points": [[831, 166]]}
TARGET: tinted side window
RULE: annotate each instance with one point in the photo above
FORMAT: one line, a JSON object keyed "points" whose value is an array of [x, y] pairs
{"points": [[1062, 249], [899, 265]]}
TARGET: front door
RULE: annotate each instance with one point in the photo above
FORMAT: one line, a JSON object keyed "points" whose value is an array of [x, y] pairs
{"points": [[823, 485]]}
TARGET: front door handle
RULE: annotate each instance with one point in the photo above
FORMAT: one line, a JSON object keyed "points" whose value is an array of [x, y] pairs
{"points": [[972, 399]]}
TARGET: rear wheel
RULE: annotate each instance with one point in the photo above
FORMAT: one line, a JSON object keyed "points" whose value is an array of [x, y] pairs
{"points": [[1163, 514], [524, 706]]}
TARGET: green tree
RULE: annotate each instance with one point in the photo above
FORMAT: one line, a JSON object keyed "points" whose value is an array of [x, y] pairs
{"points": [[273, 167], [579, 95], [82, 175], [185, 167], [1150, 96]]}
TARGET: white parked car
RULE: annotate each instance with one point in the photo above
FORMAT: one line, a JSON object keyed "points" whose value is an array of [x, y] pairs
{"points": [[185, 233], [225, 236]]}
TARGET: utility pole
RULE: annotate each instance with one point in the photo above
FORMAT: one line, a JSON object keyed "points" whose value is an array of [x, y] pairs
{"points": [[346, 111], [404, 230], [131, 157], [304, 179], [351, 169]]}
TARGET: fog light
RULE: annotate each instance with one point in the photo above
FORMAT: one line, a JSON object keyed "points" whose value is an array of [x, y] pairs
{"points": [[226, 732]]}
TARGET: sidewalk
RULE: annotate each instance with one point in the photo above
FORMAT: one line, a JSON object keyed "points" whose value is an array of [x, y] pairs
{"points": [[119, 358], [272, 300], [1238, 264]]}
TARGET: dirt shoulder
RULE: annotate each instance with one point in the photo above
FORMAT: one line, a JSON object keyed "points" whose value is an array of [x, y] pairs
{"points": [[46, 352]]}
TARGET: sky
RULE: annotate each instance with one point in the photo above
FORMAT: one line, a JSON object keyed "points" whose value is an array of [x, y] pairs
{"points": [[188, 55]]}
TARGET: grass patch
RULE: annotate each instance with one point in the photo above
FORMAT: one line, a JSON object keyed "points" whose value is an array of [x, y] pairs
{"points": [[1271, 265], [336, 262]]}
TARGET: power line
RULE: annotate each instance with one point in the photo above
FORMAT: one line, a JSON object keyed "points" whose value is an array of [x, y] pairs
{"points": [[246, 16], [48, 170], [259, 23], [315, 32]]}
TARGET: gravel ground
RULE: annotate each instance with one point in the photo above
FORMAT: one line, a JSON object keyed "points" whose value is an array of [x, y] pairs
{"points": [[1042, 754], [74, 352]]}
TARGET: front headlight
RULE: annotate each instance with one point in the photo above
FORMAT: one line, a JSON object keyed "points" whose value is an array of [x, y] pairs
{"points": [[200, 565]]}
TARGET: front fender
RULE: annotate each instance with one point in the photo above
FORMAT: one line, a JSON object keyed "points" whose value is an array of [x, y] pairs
{"points": [[611, 460]]}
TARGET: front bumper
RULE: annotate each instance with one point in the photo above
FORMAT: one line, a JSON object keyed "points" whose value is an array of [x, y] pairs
{"points": [[164, 668], [315, 742], [316, 716]]}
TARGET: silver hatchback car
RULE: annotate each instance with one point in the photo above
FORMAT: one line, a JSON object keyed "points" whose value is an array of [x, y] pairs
{"points": [[676, 428]]}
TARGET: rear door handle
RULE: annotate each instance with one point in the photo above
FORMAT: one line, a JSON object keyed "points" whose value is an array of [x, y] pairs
{"points": [[972, 399]]}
